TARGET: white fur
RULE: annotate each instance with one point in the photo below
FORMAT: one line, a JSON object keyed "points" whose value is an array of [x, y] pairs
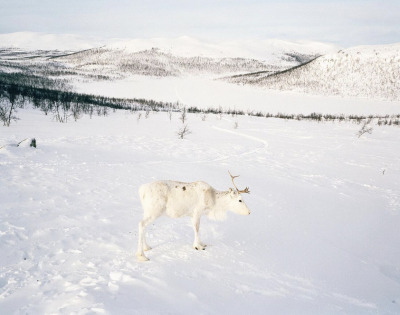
{"points": [[177, 199]]}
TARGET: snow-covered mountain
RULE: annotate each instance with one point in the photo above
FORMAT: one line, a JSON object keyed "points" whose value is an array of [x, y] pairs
{"points": [[184, 46], [266, 50], [160, 57], [364, 71], [184, 55]]}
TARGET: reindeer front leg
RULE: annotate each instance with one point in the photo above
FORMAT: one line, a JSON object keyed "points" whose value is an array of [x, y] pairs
{"points": [[142, 244], [196, 226]]}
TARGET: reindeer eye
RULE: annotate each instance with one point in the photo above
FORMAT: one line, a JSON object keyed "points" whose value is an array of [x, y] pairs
{"points": [[240, 200]]}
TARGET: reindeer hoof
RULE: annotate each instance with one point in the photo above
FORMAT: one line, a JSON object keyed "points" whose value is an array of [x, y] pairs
{"points": [[141, 257]]}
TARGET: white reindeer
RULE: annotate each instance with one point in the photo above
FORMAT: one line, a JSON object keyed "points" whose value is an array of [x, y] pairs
{"points": [[177, 199]]}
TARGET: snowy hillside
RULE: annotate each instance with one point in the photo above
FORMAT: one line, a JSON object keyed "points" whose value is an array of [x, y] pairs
{"points": [[322, 238], [119, 62], [365, 71], [184, 55]]}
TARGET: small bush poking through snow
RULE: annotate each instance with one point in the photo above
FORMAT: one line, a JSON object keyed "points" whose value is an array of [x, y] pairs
{"points": [[184, 131], [366, 128]]}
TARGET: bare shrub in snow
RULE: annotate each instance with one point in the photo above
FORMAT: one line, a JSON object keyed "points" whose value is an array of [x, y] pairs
{"points": [[183, 117], [220, 113], [91, 111], [76, 111], [10, 100], [366, 128], [60, 111], [183, 132]]}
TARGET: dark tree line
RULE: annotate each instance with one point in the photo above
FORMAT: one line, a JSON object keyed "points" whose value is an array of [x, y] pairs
{"points": [[381, 119], [54, 96]]}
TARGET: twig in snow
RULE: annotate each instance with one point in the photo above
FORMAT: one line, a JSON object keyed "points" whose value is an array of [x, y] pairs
{"points": [[21, 142]]}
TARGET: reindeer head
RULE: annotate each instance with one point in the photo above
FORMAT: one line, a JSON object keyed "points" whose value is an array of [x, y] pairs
{"points": [[238, 204]]}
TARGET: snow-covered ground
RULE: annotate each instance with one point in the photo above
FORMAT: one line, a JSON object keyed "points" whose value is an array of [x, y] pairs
{"points": [[204, 92], [323, 236]]}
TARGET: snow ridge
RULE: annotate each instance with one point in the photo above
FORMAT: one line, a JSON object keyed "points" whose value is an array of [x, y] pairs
{"points": [[364, 71]]}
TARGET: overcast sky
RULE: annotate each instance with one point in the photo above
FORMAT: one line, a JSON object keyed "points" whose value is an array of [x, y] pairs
{"points": [[347, 23]]}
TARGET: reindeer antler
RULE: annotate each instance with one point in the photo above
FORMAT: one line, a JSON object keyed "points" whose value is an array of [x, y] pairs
{"points": [[245, 191]]}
